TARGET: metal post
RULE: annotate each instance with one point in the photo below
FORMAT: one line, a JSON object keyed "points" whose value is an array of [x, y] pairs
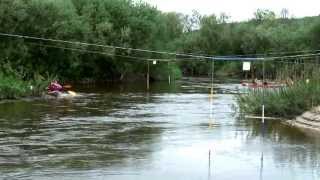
{"points": [[263, 88], [212, 76], [262, 113], [209, 158], [209, 165], [261, 167], [211, 111], [169, 73], [317, 64], [148, 77], [263, 118]]}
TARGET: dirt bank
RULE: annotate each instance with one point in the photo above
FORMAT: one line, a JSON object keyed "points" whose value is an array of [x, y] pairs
{"points": [[308, 122]]}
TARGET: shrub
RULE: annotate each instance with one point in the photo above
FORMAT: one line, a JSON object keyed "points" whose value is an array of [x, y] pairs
{"points": [[13, 85], [285, 102]]}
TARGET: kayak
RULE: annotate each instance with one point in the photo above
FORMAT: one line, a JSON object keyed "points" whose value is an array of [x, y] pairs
{"points": [[60, 95]]}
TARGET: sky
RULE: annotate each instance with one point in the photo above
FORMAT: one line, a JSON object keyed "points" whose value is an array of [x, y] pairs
{"points": [[239, 10]]}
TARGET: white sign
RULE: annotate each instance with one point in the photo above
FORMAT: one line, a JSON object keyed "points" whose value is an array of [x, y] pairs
{"points": [[154, 62], [246, 66]]}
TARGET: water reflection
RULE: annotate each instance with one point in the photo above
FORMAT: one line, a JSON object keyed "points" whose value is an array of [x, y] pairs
{"points": [[288, 147]]}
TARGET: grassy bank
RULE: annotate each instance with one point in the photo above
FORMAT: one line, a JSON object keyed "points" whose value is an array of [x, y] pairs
{"points": [[15, 84], [14, 87], [287, 102]]}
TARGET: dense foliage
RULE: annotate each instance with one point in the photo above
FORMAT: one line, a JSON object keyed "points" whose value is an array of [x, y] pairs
{"points": [[263, 34], [107, 22], [13, 85], [127, 23]]}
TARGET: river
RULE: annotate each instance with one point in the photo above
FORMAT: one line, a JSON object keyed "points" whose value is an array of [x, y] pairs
{"points": [[173, 132]]}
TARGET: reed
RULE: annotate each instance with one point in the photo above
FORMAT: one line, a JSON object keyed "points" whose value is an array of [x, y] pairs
{"points": [[286, 102]]}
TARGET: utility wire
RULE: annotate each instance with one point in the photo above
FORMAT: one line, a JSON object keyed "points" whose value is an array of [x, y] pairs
{"points": [[100, 45], [272, 53], [219, 58], [292, 57], [89, 51], [185, 59], [119, 47], [110, 54], [123, 48], [300, 63]]}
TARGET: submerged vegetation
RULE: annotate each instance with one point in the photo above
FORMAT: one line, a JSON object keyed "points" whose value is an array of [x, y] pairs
{"points": [[137, 25]]}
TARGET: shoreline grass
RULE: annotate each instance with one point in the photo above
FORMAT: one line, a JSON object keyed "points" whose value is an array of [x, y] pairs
{"points": [[286, 102], [14, 87]]}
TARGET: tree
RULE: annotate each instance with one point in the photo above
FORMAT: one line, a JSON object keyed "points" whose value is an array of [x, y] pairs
{"points": [[284, 14], [264, 15]]}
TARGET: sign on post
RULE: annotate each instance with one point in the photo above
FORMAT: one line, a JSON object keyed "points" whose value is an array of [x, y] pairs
{"points": [[246, 66]]}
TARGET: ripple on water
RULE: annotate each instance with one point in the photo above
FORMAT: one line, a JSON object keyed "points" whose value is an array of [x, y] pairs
{"points": [[113, 135]]}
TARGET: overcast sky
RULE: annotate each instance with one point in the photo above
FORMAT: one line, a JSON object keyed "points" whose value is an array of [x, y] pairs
{"points": [[239, 9]]}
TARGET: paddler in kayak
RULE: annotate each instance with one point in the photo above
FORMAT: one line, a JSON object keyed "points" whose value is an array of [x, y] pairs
{"points": [[54, 88], [57, 90]]}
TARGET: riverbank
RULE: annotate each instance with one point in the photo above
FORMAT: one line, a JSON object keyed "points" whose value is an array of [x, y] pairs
{"points": [[13, 86], [308, 122], [299, 103], [284, 102]]}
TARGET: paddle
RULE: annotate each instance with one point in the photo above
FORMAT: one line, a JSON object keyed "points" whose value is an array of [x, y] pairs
{"points": [[68, 86]]}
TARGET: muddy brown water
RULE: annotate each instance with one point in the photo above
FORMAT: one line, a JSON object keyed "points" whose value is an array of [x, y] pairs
{"points": [[122, 132]]}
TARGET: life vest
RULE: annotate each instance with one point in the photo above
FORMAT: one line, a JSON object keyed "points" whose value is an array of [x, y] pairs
{"points": [[55, 87]]}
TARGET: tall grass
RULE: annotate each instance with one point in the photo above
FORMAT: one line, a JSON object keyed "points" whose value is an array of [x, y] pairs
{"points": [[285, 102], [13, 83], [12, 87]]}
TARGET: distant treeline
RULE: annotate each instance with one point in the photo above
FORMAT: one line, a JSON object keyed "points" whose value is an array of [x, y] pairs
{"points": [[126, 23]]}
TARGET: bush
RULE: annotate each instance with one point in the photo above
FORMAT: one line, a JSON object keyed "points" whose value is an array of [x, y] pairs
{"points": [[161, 71], [12, 88], [287, 102], [13, 84]]}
